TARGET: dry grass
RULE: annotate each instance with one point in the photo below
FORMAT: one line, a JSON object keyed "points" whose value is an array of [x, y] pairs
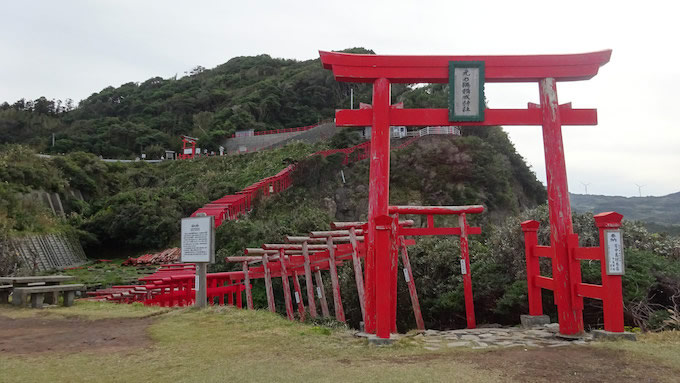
{"points": [[662, 348], [86, 310], [223, 344]]}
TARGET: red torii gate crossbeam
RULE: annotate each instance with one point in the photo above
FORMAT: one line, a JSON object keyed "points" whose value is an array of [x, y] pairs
{"points": [[546, 70]]}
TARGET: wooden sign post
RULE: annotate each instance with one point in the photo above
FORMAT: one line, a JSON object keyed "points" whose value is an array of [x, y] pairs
{"points": [[198, 246]]}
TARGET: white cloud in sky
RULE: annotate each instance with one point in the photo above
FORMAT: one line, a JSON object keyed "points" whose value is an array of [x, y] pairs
{"points": [[74, 48]]}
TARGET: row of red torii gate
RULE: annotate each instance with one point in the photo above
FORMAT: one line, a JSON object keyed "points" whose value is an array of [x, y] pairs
{"points": [[381, 239]]}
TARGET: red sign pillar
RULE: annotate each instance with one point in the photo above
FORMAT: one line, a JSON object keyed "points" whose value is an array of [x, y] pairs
{"points": [[570, 317], [378, 203], [612, 297]]}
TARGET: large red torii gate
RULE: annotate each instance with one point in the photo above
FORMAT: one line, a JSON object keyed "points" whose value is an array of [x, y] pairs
{"points": [[546, 70]]}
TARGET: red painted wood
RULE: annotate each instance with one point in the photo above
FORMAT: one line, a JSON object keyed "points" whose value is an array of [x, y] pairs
{"points": [[377, 258], [358, 273], [394, 271], [440, 117], [574, 271], [530, 229], [239, 299], [438, 210], [286, 285], [591, 291], [588, 253], [570, 318], [474, 230], [544, 282], [335, 283], [268, 284], [420, 324], [612, 302], [435, 69], [298, 297], [308, 281], [544, 252], [467, 277], [230, 297], [322, 294]]}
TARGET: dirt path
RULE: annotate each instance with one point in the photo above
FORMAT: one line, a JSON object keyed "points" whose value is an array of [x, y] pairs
{"points": [[572, 364], [575, 364], [37, 335]]}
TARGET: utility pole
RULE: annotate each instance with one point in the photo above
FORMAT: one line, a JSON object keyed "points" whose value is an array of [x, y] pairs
{"points": [[585, 186], [639, 189]]}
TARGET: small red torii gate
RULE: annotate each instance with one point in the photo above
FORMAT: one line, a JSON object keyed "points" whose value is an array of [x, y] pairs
{"points": [[381, 71]]}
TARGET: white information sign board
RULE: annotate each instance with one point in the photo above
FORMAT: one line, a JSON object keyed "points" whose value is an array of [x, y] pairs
{"points": [[613, 252], [198, 239], [406, 276], [463, 269], [466, 91], [318, 292]]}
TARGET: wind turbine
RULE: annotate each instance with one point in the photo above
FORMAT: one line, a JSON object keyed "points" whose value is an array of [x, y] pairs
{"points": [[585, 186], [640, 189]]}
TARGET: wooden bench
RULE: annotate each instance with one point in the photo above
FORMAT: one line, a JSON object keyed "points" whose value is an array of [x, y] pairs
{"points": [[5, 290], [38, 293]]}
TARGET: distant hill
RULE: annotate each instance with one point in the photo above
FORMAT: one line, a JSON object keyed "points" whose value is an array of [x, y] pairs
{"points": [[659, 213]]}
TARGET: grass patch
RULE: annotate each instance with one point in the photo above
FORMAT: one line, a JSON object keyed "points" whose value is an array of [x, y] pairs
{"points": [[660, 347], [86, 310], [225, 344]]}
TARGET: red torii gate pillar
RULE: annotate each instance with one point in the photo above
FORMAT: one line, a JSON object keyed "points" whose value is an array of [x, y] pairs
{"points": [[383, 70]]}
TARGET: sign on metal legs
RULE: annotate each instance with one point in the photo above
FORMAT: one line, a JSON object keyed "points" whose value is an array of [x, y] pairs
{"points": [[198, 246]]}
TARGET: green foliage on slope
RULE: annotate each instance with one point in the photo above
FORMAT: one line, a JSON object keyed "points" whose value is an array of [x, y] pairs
{"points": [[128, 206], [258, 92]]}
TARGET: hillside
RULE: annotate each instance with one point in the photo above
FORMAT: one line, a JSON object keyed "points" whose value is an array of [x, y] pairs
{"points": [[659, 213], [258, 92]]}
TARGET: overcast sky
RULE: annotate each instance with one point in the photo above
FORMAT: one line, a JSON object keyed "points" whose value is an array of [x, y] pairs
{"points": [[70, 49]]}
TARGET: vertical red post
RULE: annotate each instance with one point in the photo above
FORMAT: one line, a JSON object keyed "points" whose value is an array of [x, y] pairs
{"points": [[378, 256], [308, 281], [335, 283], [408, 275], [467, 278], [268, 283], [612, 300], [230, 296], [239, 297], [383, 277], [570, 318], [530, 229], [394, 270], [321, 292], [246, 282], [298, 296], [358, 274], [286, 285]]}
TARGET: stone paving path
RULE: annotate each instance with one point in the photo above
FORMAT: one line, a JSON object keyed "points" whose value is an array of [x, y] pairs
{"points": [[502, 337]]}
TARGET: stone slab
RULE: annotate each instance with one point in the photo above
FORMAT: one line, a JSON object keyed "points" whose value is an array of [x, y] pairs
{"points": [[602, 334], [529, 321]]}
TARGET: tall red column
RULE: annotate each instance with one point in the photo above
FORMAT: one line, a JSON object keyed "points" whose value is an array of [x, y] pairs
{"points": [[467, 277], [378, 254], [570, 318]]}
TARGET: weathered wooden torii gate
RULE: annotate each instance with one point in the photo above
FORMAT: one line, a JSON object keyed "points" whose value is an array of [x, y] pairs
{"points": [[546, 70]]}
